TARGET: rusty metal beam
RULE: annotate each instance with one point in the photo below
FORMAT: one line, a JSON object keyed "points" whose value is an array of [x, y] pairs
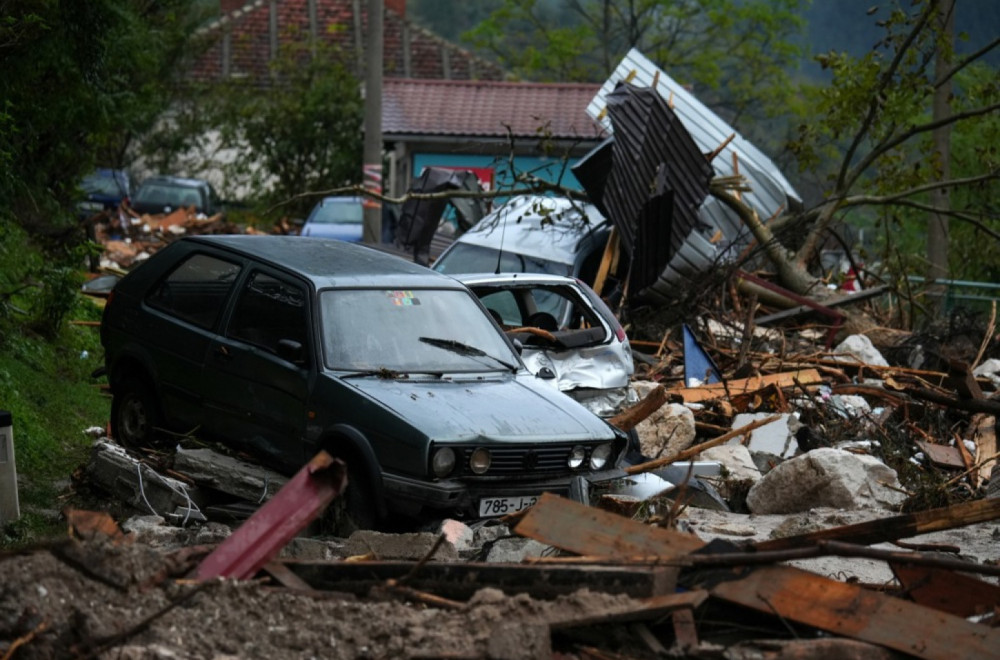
{"points": [[266, 532]]}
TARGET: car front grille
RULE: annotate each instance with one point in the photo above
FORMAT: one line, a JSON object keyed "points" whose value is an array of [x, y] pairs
{"points": [[539, 459]]}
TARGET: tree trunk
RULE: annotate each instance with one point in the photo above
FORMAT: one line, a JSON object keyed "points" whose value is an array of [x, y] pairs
{"points": [[937, 225]]}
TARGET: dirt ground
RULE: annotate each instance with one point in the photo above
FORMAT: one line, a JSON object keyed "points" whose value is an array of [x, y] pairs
{"points": [[123, 601]]}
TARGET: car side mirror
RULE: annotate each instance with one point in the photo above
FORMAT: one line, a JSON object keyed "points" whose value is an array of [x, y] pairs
{"points": [[545, 373], [291, 350]]}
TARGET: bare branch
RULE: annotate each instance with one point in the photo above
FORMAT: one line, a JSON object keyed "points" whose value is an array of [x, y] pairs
{"points": [[856, 200], [972, 57], [916, 130], [964, 217], [877, 92]]}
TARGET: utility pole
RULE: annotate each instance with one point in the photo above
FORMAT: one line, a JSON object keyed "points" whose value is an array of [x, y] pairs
{"points": [[373, 123]]}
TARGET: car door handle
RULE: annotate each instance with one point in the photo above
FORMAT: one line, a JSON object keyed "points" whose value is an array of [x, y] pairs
{"points": [[222, 353]]}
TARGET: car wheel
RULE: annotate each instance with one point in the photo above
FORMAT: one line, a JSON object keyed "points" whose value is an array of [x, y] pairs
{"points": [[134, 414]]}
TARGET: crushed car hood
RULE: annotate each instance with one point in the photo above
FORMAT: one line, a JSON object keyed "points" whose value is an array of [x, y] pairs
{"points": [[497, 409]]}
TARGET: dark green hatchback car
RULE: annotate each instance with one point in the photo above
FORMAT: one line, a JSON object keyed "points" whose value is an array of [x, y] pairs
{"points": [[283, 345]]}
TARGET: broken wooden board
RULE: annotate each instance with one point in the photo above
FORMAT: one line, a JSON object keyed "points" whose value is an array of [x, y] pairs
{"points": [[571, 526], [746, 385], [895, 527], [629, 419], [942, 455], [460, 580], [852, 611], [947, 591], [639, 610]]}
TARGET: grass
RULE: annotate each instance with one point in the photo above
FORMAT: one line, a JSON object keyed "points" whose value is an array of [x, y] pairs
{"points": [[46, 384]]}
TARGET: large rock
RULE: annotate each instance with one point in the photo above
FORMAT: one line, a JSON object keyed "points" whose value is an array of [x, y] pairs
{"points": [[667, 431], [826, 478]]}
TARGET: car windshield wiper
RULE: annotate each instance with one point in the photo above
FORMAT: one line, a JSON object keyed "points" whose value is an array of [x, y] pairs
{"points": [[390, 374], [456, 346]]}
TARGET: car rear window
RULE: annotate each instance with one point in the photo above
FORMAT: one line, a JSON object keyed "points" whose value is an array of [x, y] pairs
{"points": [[196, 290], [467, 258], [346, 213], [163, 194]]}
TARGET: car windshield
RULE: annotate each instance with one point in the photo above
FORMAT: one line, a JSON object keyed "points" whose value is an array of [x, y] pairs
{"points": [[466, 258], [341, 213], [98, 184], [410, 331]]}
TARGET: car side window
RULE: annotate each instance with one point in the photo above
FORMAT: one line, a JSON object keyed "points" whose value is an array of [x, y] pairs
{"points": [[196, 290], [268, 310]]}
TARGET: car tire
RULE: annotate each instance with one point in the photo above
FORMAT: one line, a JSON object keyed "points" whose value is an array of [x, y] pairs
{"points": [[355, 509], [135, 414]]}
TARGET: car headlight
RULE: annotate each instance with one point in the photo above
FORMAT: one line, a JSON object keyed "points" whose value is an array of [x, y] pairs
{"points": [[599, 457], [480, 461], [577, 456], [443, 462]]}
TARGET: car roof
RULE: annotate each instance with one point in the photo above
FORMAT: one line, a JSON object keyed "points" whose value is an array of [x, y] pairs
{"points": [[518, 226], [329, 262], [506, 279]]}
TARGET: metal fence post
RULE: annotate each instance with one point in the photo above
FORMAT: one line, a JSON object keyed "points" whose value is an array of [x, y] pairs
{"points": [[9, 509]]}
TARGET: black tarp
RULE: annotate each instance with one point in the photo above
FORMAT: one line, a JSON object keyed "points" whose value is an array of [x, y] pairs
{"points": [[419, 218]]}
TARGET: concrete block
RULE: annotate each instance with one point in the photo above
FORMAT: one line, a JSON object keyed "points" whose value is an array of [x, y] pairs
{"points": [[229, 475], [667, 431], [515, 550], [457, 533], [859, 348], [775, 438]]}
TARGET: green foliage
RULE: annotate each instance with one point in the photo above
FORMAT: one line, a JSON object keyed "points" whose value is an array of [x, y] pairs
{"points": [[738, 54], [79, 79], [301, 133], [46, 383]]}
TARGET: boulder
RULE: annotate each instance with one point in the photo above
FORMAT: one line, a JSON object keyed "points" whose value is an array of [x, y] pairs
{"points": [[667, 431], [826, 478]]}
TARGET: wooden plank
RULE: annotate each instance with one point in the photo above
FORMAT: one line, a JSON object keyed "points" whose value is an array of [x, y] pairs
{"points": [[746, 385], [942, 455], [629, 419], [286, 577], [685, 631], [610, 255], [460, 580], [852, 611], [946, 590], [896, 527], [983, 429], [640, 610], [584, 530]]}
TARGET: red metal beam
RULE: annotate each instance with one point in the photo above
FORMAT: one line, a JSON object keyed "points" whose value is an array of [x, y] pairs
{"points": [[259, 539]]}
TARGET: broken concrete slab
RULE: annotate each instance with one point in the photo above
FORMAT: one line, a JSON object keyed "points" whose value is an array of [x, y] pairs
{"points": [[515, 550], [384, 546], [775, 438], [228, 474], [135, 483], [457, 533], [736, 460], [826, 478]]}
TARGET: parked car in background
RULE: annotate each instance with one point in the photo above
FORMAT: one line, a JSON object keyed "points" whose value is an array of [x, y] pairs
{"points": [[567, 334], [531, 234], [336, 217], [164, 194], [104, 190], [281, 346]]}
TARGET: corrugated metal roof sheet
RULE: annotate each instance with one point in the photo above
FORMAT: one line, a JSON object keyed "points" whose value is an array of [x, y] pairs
{"points": [[771, 191]]}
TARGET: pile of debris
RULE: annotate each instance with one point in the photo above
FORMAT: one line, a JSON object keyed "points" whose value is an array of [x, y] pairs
{"points": [[760, 518]]}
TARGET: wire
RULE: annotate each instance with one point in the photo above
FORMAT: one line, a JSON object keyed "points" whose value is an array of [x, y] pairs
{"points": [[182, 491]]}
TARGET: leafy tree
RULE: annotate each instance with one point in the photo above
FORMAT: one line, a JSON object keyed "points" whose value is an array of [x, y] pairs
{"points": [[79, 79], [299, 132], [874, 120], [737, 53]]}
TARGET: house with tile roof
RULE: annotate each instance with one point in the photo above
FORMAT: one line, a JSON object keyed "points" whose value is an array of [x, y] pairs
{"points": [[442, 105]]}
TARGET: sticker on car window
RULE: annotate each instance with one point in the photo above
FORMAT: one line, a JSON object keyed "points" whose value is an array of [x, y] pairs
{"points": [[403, 298]]}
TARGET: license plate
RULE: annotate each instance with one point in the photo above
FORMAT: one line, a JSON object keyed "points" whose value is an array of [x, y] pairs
{"points": [[500, 506]]}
